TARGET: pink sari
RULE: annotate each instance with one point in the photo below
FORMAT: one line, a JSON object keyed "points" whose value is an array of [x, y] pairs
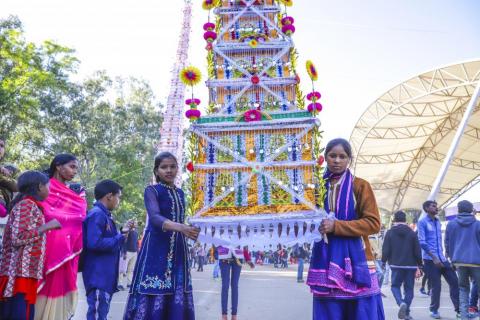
{"points": [[58, 289]]}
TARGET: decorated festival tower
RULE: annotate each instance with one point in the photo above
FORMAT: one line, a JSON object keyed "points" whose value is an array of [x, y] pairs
{"points": [[171, 132], [254, 159]]}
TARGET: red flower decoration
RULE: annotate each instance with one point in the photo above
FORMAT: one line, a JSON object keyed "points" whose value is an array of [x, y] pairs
{"points": [[190, 166], [252, 115], [209, 46], [255, 79], [320, 160]]}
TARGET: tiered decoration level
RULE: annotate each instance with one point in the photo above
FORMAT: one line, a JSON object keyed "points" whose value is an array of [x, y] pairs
{"points": [[254, 172]]}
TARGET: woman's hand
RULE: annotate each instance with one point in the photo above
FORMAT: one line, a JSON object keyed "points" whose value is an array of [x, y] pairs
{"points": [[50, 225], [189, 231], [327, 226]]}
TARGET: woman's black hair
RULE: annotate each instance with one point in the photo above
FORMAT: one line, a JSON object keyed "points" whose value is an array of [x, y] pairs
{"points": [[158, 159], [60, 159], [342, 142], [28, 185]]}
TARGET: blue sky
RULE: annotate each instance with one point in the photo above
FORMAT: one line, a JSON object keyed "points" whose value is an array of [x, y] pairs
{"points": [[360, 48]]}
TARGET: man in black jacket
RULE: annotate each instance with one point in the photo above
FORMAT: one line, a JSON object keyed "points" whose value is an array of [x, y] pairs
{"points": [[401, 250]]}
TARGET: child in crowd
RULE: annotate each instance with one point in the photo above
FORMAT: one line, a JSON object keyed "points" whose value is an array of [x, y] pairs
{"points": [[7, 184], [23, 252], [102, 243]]}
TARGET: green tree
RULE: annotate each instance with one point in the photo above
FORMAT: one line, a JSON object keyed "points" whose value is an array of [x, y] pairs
{"points": [[111, 125], [29, 75]]}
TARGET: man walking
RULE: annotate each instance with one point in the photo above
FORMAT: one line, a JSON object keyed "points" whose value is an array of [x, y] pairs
{"points": [[129, 254], [402, 252], [435, 263], [301, 255], [462, 246]]}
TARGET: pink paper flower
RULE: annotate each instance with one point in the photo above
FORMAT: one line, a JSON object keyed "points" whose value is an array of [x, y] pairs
{"points": [[255, 79], [209, 26], [288, 29], [193, 114], [193, 101], [287, 20], [210, 36], [252, 115], [314, 107], [314, 96]]}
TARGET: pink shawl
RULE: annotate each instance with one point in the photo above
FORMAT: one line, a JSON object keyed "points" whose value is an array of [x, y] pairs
{"points": [[65, 244]]}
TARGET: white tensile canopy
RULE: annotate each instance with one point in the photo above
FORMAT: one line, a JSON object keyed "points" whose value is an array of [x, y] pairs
{"points": [[402, 138]]}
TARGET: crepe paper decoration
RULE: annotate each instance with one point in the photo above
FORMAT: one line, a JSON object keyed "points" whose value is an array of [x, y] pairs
{"points": [[287, 20], [190, 167], [210, 36], [314, 107], [288, 29], [311, 70], [320, 160], [193, 114], [190, 76], [209, 4], [314, 96], [287, 3], [252, 115], [193, 102], [209, 26]]}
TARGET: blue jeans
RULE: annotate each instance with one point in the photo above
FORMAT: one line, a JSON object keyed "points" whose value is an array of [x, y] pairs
{"points": [[435, 274], [474, 295], [380, 274], [230, 271], [407, 278], [98, 304], [464, 276], [216, 269], [300, 269]]}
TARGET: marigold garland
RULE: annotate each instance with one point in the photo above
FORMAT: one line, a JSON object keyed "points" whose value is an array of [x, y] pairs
{"points": [[311, 70], [190, 76]]}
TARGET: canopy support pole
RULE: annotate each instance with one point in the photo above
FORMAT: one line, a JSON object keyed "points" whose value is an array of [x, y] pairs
{"points": [[453, 147]]}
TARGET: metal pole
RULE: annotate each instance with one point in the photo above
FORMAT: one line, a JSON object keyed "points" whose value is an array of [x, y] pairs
{"points": [[454, 145]]}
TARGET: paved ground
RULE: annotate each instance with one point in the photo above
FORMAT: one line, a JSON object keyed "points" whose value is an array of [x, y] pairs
{"points": [[268, 294]]}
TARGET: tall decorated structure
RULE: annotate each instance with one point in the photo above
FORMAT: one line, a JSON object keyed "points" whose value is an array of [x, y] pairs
{"points": [[254, 159], [171, 132]]}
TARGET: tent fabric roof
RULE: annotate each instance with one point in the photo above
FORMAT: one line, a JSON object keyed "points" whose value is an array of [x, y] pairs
{"points": [[402, 138]]}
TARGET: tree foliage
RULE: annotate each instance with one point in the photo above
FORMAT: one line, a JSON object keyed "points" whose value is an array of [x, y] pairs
{"points": [[111, 125]]}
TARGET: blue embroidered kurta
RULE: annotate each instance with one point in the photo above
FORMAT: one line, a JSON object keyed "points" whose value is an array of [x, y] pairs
{"points": [[161, 286]]}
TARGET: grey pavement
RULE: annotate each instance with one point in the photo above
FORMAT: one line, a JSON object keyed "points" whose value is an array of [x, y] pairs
{"points": [[269, 294]]}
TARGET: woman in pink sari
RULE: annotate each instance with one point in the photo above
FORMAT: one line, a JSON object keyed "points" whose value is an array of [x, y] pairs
{"points": [[57, 292]]}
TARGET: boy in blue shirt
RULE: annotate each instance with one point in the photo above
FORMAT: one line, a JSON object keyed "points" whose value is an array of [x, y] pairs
{"points": [[102, 243]]}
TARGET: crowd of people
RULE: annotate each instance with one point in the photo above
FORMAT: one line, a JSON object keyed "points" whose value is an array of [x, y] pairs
{"points": [[50, 236]]}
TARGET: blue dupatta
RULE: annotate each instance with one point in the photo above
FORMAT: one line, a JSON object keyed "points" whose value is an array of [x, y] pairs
{"points": [[339, 268]]}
